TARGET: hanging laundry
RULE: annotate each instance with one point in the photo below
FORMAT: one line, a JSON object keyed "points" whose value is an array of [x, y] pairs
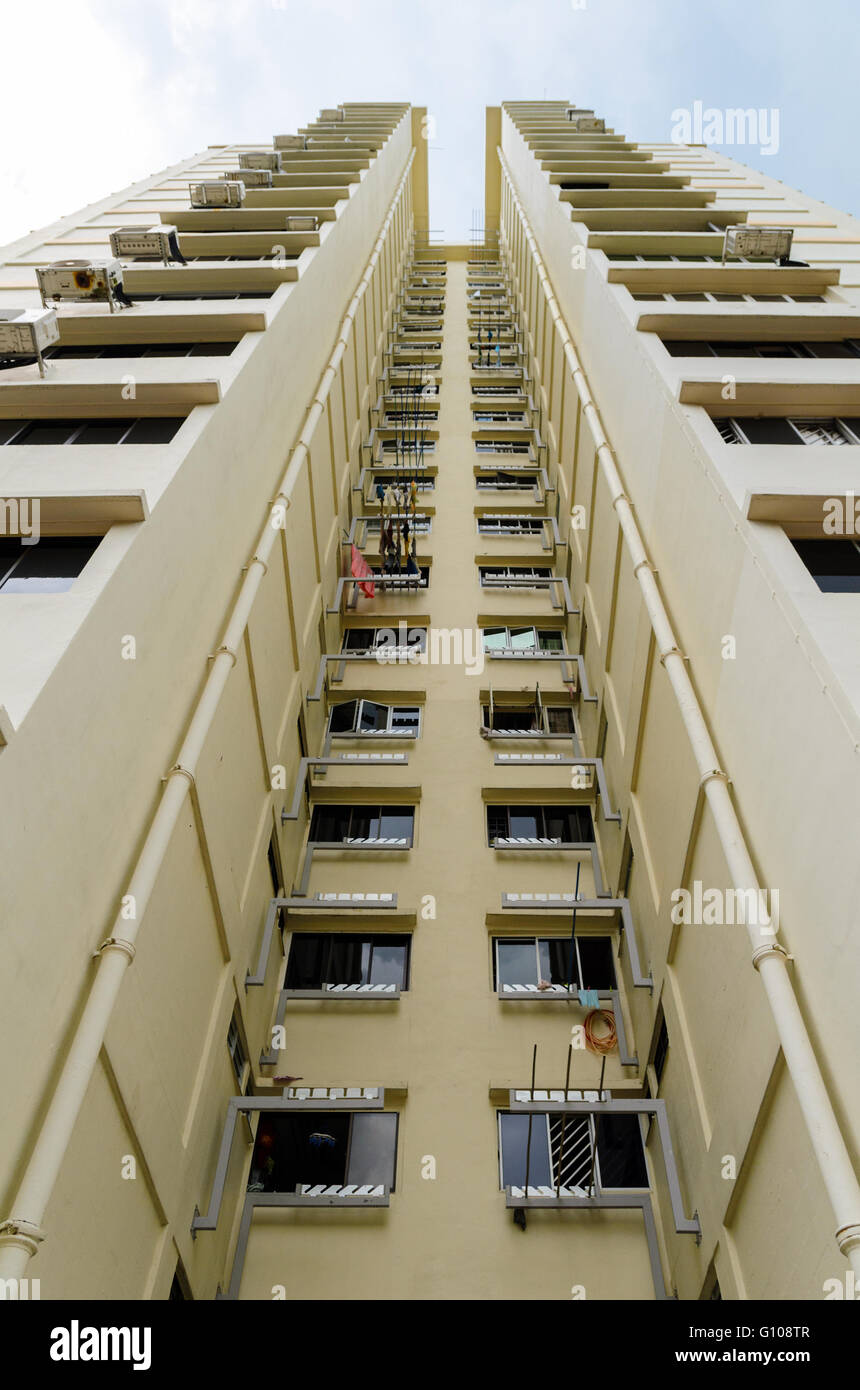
{"points": [[380, 491], [388, 501], [361, 570], [589, 998]]}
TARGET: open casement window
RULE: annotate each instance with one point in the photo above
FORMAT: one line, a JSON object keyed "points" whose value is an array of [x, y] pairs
{"points": [[562, 825], [583, 963], [339, 959], [776, 429], [511, 482], [335, 1148], [344, 824], [528, 719], [236, 1049], [522, 639], [620, 1161], [361, 717], [369, 641]]}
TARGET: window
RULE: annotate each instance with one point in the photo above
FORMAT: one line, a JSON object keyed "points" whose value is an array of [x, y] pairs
{"points": [[88, 350], [776, 429], [368, 717], [584, 962], [367, 641], [418, 525], [560, 825], [502, 446], [510, 525], [530, 719], [348, 824], [236, 1048], [337, 959], [602, 732], [536, 1148], [409, 446], [512, 482], [683, 347], [626, 868], [329, 1147], [500, 576], [500, 417], [148, 430], [833, 564], [721, 298], [274, 871], [661, 1048], [208, 294], [51, 567], [522, 640], [383, 480]]}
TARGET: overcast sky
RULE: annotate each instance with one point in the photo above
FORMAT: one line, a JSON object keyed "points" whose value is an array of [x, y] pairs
{"points": [[99, 93]]}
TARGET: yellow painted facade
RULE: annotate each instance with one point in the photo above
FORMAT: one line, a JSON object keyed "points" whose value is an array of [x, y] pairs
{"points": [[161, 895]]}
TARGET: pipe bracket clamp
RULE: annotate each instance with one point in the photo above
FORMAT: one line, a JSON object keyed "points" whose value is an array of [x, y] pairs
{"points": [[772, 949], [672, 651], [178, 769], [715, 774], [227, 651], [116, 943], [28, 1231]]}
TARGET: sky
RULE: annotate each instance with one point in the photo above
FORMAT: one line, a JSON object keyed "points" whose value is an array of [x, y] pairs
{"points": [[101, 93]]}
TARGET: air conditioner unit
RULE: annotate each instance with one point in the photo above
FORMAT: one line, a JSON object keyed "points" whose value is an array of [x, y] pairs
{"points": [[251, 178], [227, 194], [301, 222], [332, 113], [82, 280], [760, 243], [588, 124], [158, 243], [27, 332], [290, 142], [261, 159]]}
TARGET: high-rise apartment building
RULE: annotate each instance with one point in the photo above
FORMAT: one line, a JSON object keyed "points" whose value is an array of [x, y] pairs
{"points": [[429, 721]]}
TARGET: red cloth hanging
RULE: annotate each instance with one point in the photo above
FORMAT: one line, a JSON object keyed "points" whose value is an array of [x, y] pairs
{"points": [[361, 570]]}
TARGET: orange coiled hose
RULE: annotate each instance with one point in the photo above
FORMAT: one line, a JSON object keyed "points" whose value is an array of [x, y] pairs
{"points": [[603, 1041]]}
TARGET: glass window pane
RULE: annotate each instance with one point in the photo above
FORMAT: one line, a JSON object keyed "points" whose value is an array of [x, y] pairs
{"points": [[373, 1149], [342, 719], [495, 639], [388, 961], [551, 641], [519, 1149], [396, 822], [525, 821], [373, 717], [102, 432], [47, 432], [834, 565], [769, 431], [155, 430], [522, 638], [405, 719], [50, 567], [516, 962], [344, 961]]}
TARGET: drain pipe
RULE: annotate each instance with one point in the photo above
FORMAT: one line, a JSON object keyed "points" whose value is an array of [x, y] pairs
{"points": [[768, 956], [21, 1233]]}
